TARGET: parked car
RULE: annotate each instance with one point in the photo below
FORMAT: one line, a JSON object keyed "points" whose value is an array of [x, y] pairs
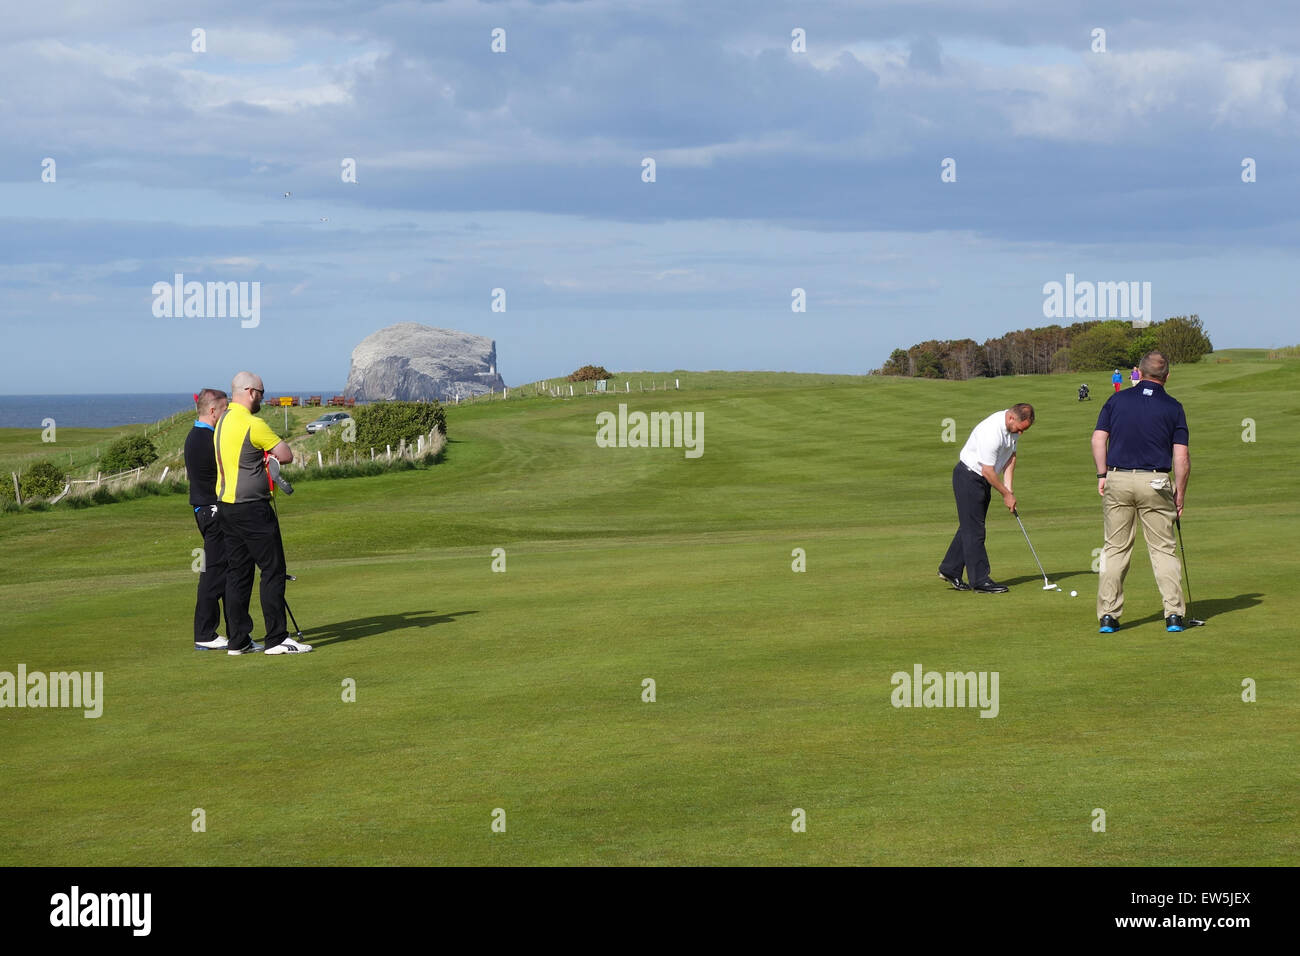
{"points": [[325, 421]]}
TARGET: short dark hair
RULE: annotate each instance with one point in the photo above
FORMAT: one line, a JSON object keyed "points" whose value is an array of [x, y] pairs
{"points": [[209, 397], [1023, 412], [1155, 365]]}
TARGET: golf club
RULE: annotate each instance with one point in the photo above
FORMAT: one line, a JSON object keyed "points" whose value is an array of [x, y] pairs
{"points": [[1047, 585], [273, 473], [1191, 621]]}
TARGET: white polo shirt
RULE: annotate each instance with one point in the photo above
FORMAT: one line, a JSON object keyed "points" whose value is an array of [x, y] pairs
{"points": [[989, 444]]}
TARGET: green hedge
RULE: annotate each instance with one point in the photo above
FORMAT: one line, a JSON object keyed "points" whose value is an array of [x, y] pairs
{"points": [[127, 453], [43, 480], [386, 423]]}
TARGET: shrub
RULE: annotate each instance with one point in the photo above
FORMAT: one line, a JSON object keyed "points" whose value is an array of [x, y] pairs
{"points": [[1104, 346], [1183, 339], [41, 480], [133, 451], [1141, 345], [388, 423], [590, 373]]}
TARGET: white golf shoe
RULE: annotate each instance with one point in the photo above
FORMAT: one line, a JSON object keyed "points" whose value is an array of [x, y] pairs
{"points": [[289, 646], [218, 643]]}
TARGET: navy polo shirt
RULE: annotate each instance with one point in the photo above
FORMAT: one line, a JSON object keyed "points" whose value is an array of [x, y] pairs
{"points": [[1144, 423]]}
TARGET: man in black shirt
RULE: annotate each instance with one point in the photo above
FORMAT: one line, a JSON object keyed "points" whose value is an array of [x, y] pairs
{"points": [[1141, 436], [201, 467]]}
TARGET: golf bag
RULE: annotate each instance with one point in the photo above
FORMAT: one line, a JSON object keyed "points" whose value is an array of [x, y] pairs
{"points": [[1083, 393]]}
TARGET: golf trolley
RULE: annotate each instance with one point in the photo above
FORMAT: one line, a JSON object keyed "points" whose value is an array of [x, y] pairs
{"points": [[1083, 393]]}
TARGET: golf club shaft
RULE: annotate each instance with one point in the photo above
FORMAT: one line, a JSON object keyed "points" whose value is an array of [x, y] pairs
{"points": [[1031, 546], [289, 577], [1178, 526]]}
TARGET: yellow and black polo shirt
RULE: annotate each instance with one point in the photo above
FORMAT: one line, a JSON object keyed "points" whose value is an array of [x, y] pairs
{"points": [[240, 440]]}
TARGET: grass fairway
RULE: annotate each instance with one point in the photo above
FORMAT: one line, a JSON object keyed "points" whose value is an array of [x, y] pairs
{"points": [[522, 690]]}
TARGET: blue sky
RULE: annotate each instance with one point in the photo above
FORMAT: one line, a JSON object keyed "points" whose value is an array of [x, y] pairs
{"points": [[521, 170]]}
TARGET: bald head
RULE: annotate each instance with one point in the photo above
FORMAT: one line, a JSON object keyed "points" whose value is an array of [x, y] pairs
{"points": [[246, 389]]}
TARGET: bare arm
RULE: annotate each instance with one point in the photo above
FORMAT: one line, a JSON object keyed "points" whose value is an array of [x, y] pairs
{"points": [[1182, 469], [283, 453], [1099, 440], [992, 478]]}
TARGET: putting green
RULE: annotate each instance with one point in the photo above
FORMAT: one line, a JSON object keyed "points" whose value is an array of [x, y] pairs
{"points": [[523, 691]]}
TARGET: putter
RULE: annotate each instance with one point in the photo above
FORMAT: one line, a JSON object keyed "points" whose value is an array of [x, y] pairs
{"points": [[1191, 621], [1047, 585], [273, 471]]}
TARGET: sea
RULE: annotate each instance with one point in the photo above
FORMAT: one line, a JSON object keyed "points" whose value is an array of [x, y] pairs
{"points": [[108, 411]]}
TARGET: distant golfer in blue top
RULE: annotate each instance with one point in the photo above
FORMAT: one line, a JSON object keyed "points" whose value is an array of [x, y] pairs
{"points": [[1116, 379]]}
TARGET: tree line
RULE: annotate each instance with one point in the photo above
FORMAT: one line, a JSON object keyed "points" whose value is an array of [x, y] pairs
{"points": [[1081, 347]]}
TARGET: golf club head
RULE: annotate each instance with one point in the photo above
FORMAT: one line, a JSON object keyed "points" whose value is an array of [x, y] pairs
{"points": [[1194, 622], [273, 468]]}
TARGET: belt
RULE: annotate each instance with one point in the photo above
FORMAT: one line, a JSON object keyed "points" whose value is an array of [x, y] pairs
{"points": [[1163, 471]]}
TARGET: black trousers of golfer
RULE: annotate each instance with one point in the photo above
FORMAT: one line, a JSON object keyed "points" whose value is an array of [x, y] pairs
{"points": [[253, 538], [212, 579], [972, 492]]}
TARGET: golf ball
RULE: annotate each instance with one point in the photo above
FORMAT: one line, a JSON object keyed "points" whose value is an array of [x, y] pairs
{"points": [[1074, 594]]}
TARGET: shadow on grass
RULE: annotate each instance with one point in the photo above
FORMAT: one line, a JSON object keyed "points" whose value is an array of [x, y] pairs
{"points": [[382, 624], [1055, 579], [1207, 610], [1203, 609]]}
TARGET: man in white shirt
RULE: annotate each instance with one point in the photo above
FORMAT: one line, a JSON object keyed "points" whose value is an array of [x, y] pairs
{"points": [[988, 461]]}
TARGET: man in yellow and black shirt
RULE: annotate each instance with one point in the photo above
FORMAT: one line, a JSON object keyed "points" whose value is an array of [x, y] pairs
{"points": [[247, 520]]}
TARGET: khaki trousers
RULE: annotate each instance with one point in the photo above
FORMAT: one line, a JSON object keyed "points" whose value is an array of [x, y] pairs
{"points": [[1131, 495]]}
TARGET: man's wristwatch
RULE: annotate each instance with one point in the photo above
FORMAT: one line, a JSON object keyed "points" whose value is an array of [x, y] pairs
{"points": [[1101, 476]]}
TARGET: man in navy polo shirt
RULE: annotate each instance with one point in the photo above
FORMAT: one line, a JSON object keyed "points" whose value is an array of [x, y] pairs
{"points": [[1141, 437]]}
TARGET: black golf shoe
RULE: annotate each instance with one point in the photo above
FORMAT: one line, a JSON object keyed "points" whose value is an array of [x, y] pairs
{"points": [[1174, 622], [1109, 624], [990, 587], [957, 583]]}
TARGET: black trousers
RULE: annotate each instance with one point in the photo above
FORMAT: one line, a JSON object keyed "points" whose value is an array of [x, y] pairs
{"points": [[212, 579], [967, 552], [253, 538]]}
